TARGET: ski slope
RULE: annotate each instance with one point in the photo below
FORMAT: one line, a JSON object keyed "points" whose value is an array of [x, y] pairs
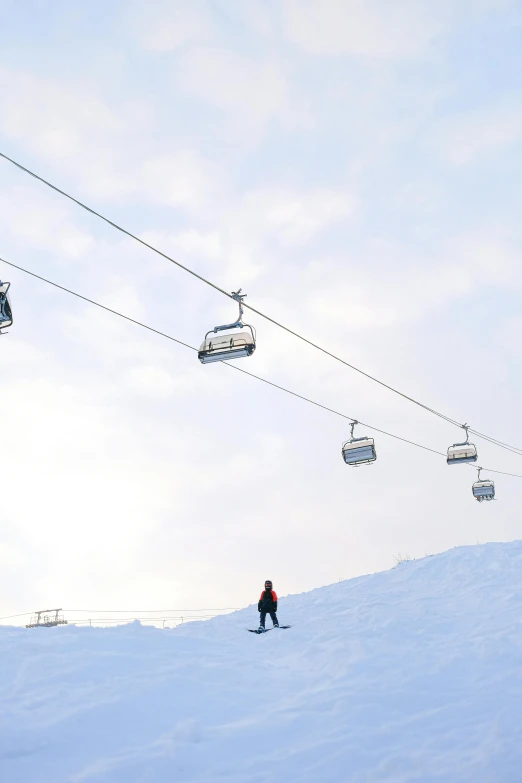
{"points": [[414, 674]]}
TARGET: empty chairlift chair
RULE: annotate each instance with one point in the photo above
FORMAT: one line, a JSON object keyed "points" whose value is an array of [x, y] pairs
{"points": [[231, 341], [462, 452], [483, 489], [6, 313], [359, 451]]}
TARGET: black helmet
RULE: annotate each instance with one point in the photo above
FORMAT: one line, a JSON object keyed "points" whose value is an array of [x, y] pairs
{"points": [[268, 584]]}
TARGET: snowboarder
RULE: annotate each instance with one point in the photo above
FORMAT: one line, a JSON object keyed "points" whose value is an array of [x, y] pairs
{"points": [[267, 605]]}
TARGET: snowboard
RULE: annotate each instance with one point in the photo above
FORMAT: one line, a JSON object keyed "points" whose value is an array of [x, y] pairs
{"points": [[266, 630]]}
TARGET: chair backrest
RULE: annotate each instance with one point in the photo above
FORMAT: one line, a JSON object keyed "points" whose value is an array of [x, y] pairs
{"points": [[221, 341]]}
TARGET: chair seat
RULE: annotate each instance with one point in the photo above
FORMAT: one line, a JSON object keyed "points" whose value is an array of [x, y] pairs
{"points": [[221, 355]]}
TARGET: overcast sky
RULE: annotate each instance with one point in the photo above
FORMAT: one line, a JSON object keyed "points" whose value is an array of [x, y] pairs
{"points": [[355, 166]]}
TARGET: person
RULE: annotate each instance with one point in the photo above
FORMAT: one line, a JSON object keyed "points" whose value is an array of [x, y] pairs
{"points": [[267, 605]]}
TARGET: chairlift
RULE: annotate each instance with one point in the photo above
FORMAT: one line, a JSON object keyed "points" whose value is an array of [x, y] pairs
{"points": [[359, 451], [218, 347], [483, 489], [6, 313], [462, 452]]}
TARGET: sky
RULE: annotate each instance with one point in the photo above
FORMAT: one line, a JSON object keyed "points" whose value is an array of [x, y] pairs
{"points": [[355, 168]]}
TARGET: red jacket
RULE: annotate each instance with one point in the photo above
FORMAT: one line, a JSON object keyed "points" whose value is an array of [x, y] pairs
{"points": [[267, 601]]}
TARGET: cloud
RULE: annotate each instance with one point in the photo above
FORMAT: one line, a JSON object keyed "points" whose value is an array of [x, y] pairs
{"points": [[376, 298], [256, 15], [467, 138], [66, 118], [257, 229], [166, 25], [122, 295], [42, 222], [294, 216], [363, 28], [250, 91], [245, 234], [196, 243], [78, 132], [153, 381], [85, 467], [183, 178], [510, 337]]}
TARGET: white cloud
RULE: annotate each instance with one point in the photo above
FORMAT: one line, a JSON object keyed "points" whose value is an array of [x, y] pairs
{"points": [[78, 132], [120, 294], [165, 25], [250, 91], [378, 298], [365, 28], [466, 138], [66, 118], [183, 178], [85, 467], [153, 381], [195, 243], [256, 14], [42, 222], [293, 216], [260, 228], [253, 232], [510, 337], [248, 232]]}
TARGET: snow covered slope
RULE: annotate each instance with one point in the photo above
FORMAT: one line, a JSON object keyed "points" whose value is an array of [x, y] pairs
{"points": [[414, 674]]}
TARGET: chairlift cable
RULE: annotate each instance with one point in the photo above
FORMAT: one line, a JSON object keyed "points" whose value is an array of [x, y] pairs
{"points": [[10, 616], [332, 410], [103, 307], [185, 345], [496, 442], [151, 611], [218, 288], [245, 372], [148, 619], [502, 472], [250, 307]]}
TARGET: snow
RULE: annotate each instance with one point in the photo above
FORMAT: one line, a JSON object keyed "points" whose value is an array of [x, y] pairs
{"points": [[411, 675]]}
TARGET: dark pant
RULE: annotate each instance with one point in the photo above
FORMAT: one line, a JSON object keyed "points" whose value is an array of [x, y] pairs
{"points": [[273, 617]]}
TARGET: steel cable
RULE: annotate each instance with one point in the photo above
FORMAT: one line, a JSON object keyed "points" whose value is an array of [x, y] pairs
{"points": [[205, 280], [239, 369]]}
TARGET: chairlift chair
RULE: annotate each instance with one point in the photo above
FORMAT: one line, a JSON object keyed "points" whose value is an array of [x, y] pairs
{"points": [[483, 489], [234, 344], [6, 313], [462, 452], [359, 451]]}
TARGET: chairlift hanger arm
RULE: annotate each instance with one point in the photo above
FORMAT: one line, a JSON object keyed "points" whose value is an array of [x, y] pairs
{"points": [[236, 325], [238, 297]]}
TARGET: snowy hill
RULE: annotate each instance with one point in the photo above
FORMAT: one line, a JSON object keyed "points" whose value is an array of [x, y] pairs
{"points": [[414, 674]]}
